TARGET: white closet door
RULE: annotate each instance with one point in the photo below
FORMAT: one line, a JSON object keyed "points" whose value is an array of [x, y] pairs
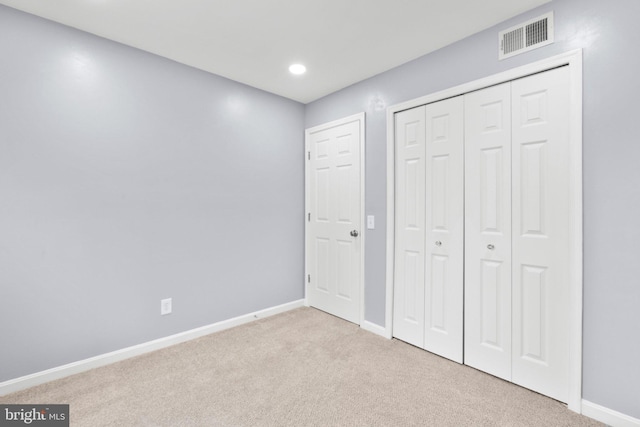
{"points": [[487, 343], [541, 232], [408, 298], [444, 150]]}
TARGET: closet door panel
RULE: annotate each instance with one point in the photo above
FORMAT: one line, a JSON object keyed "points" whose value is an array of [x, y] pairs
{"points": [[487, 326], [541, 232], [409, 271], [444, 151]]}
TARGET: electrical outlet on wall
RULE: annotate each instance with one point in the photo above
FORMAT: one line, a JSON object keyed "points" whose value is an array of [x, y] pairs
{"points": [[165, 306]]}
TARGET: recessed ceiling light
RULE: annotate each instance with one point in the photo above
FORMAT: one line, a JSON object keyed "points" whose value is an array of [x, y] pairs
{"points": [[297, 69]]}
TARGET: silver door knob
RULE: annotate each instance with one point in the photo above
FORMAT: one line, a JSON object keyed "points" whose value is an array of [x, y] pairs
{"points": [[354, 233], [438, 243], [490, 247]]}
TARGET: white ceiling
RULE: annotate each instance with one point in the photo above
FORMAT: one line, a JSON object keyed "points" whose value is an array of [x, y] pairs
{"points": [[254, 41]]}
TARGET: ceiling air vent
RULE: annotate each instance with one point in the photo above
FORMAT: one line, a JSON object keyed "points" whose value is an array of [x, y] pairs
{"points": [[530, 35]]}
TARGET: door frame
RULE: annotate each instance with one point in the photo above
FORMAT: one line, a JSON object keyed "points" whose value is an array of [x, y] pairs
{"points": [[360, 117], [572, 59]]}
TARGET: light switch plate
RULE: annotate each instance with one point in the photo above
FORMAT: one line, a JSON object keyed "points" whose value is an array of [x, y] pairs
{"points": [[165, 306], [371, 222]]}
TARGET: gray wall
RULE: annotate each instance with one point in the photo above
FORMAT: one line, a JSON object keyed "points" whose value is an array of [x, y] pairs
{"points": [[126, 178], [607, 31]]}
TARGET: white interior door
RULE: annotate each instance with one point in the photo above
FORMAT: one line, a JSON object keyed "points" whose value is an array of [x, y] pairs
{"points": [[487, 342], [444, 247], [409, 272], [334, 256], [541, 248]]}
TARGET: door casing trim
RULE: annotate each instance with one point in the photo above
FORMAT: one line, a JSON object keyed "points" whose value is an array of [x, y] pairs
{"points": [[572, 59]]}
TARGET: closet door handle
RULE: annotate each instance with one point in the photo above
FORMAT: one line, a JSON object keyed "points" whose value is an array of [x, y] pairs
{"points": [[354, 233], [490, 247], [438, 243]]}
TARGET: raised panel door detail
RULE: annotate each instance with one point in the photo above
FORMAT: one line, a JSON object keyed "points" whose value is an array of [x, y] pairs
{"points": [[333, 255], [534, 108], [412, 306], [344, 259], [344, 204], [322, 149], [444, 152], [322, 261], [411, 135], [409, 261], [412, 198], [440, 128], [439, 192], [491, 310], [487, 342], [492, 116], [322, 194], [533, 303], [491, 166], [533, 187], [438, 294], [344, 144]]}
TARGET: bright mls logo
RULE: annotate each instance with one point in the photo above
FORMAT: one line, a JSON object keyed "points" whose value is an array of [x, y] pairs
{"points": [[34, 415]]}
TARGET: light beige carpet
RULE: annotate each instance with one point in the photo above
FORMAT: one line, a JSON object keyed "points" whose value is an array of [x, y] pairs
{"points": [[300, 368]]}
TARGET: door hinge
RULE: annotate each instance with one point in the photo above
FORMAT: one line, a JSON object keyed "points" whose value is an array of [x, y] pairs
{"points": [[308, 155], [309, 217], [308, 278]]}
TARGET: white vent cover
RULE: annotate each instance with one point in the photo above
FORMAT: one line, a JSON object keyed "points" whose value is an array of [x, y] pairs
{"points": [[527, 36]]}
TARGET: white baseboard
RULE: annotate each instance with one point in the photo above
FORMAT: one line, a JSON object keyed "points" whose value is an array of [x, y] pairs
{"points": [[376, 329], [42, 377], [608, 416]]}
